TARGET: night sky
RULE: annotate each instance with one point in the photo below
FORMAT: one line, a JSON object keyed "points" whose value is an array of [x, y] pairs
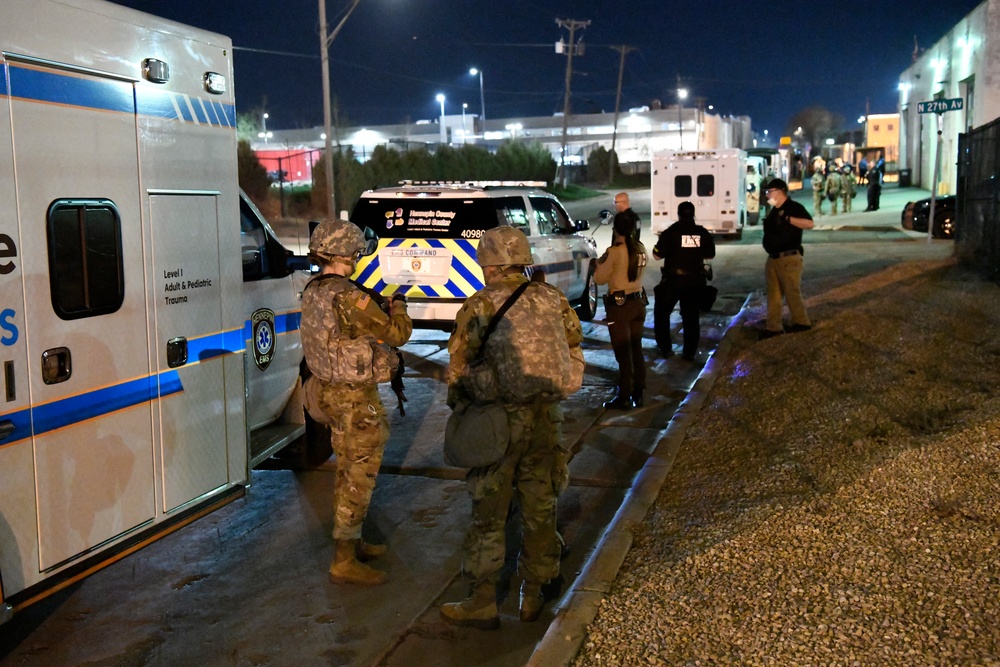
{"points": [[766, 60]]}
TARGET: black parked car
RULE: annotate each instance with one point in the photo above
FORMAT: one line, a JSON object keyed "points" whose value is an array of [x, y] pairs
{"points": [[915, 216]]}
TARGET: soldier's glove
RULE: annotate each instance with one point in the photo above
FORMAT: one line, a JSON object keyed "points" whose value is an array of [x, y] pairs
{"points": [[396, 384], [399, 297], [398, 305]]}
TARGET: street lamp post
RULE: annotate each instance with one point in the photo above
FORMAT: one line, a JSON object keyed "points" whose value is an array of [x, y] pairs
{"points": [[464, 107], [324, 41], [263, 120], [482, 98], [682, 94], [444, 135]]}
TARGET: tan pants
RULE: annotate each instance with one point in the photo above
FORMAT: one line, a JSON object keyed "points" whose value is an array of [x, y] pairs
{"points": [[783, 277]]}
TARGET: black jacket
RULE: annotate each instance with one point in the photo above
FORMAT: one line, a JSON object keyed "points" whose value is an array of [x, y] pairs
{"points": [[684, 246]]}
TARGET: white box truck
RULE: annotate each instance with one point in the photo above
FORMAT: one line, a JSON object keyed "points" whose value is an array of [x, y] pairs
{"points": [[713, 180], [148, 316]]}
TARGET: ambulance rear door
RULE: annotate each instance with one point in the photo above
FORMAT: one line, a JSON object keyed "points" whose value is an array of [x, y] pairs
{"points": [[78, 210]]}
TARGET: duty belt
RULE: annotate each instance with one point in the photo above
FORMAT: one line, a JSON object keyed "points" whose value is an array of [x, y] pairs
{"points": [[786, 253]]}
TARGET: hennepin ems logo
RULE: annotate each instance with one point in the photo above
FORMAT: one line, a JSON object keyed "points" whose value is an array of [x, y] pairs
{"points": [[263, 337]]}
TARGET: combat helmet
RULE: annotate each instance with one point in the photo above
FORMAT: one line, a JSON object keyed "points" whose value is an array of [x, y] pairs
{"points": [[503, 246], [336, 238]]}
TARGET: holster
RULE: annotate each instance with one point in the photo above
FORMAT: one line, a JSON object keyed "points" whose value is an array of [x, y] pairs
{"points": [[616, 298]]}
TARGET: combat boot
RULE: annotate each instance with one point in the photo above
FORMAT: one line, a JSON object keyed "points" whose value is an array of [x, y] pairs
{"points": [[366, 551], [346, 569], [479, 610], [531, 601]]}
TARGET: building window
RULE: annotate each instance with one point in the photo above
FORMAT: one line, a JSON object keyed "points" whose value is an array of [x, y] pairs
{"points": [[86, 274], [875, 127], [889, 127]]}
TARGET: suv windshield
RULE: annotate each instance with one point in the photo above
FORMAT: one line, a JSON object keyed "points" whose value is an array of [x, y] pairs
{"points": [[433, 217]]}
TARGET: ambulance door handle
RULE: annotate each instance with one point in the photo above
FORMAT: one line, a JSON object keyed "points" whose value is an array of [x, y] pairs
{"points": [[6, 428], [177, 352], [57, 365]]}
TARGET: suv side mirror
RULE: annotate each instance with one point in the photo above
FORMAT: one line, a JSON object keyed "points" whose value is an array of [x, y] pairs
{"points": [[605, 217], [371, 241]]}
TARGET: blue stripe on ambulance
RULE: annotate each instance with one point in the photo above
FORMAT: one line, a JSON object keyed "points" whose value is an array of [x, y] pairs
{"points": [[99, 402], [47, 86], [38, 85]]}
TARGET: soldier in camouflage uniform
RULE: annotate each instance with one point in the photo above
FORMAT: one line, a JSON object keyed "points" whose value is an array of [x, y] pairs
{"points": [[833, 188], [334, 313], [533, 466], [819, 188], [847, 187]]}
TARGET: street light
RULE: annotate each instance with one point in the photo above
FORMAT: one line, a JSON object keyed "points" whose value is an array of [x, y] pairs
{"points": [[682, 94], [444, 136], [464, 107], [482, 98], [265, 135], [513, 128]]}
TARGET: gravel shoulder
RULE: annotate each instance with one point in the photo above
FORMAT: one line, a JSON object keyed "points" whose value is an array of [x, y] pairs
{"points": [[837, 499]]}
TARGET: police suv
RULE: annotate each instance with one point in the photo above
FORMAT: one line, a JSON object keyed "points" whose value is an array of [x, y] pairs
{"points": [[428, 234]]}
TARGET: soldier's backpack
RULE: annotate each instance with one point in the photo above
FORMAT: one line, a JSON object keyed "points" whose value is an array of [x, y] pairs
{"points": [[833, 185], [527, 357], [331, 356]]}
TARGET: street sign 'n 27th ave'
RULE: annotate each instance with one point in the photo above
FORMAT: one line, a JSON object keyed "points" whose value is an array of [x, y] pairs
{"points": [[940, 106]]}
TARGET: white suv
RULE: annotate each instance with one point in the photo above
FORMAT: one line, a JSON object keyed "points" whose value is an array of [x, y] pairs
{"points": [[428, 234]]}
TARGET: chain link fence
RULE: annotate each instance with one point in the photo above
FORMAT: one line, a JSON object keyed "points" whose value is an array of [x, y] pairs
{"points": [[978, 229]]}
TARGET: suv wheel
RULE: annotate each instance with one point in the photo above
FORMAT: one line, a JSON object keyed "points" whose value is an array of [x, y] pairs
{"points": [[588, 301]]}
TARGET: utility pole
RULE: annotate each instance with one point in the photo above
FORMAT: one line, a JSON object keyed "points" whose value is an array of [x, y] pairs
{"points": [[324, 42], [571, 25], [613, 158], [699, 103]]}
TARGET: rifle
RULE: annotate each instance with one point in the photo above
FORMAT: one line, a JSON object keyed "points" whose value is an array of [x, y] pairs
{"points": [[396, 383]]}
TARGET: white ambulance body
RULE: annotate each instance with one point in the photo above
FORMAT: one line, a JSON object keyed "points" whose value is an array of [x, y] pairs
{"points": [[131, 388], [713, 180]]}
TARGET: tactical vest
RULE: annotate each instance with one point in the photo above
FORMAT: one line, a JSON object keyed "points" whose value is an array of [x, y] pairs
{"points": [[833, 184], [527, 357], [331, 353]]}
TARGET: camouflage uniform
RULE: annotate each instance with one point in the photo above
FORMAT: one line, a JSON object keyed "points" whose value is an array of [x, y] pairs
{"points": [[534, 465], [819, 191], [361, 427], [534, 461], [847, 188], [337, 314], [833, 183]]}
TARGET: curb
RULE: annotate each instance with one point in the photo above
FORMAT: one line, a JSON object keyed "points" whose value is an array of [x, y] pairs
{"points": [[579, 607]]}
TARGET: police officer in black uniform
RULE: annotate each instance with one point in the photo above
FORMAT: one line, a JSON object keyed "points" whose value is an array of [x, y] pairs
{"points": [[683, 246]]}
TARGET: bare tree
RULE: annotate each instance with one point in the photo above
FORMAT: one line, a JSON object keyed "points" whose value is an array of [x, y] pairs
{"points": [[817, 123]]}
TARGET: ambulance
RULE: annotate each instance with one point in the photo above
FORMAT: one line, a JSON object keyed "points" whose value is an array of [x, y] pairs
{"points": [[148, 316], [428, 234], [713, 180]]}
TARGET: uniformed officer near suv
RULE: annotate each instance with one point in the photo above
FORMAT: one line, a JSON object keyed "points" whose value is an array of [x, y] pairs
{"points": [[783, 271], [683, 246], [346, 339]]}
